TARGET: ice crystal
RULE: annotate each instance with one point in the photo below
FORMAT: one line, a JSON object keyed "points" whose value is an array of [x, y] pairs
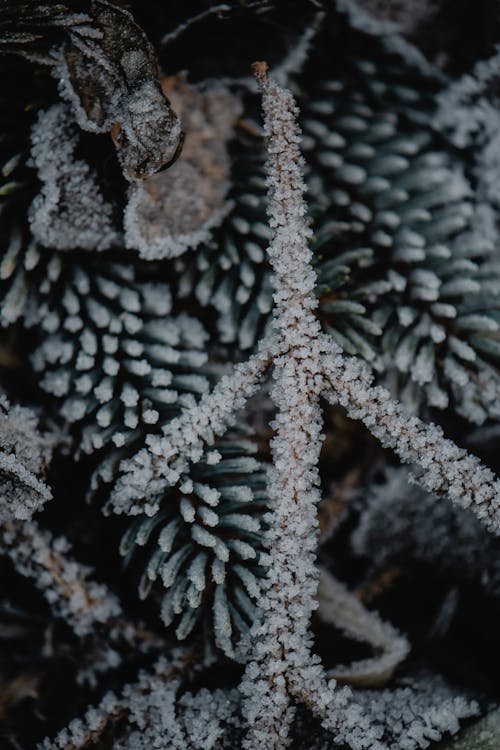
{"points": [[418, 711]]}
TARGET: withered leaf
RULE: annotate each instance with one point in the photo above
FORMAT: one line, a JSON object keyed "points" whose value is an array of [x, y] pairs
{"points": [[173, 211], [112, 78], [108, 71]]}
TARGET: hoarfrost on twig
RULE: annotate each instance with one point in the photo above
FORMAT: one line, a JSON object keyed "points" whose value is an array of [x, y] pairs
{"points": [[64, 582], [148, 703], [184, 438], [24, 456], [444, 468], [281, 668]]}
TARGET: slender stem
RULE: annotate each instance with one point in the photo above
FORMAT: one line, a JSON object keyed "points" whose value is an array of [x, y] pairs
{"points": [[444, 468], [281, 662]]}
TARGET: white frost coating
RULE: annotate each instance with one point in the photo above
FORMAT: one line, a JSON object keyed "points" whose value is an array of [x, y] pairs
{"points": [[64, 582], [281, 665], [168, 457], [405, 15], [339, 607], [21, 492], [24, 456], [468, 108], [360, 19], [419, 711], [143, 345], [149, 704], [445, 468], [469, 113], [165, 246], [70, 211]]}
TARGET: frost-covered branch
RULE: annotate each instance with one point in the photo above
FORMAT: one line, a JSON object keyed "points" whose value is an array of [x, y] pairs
{"points": [[139, 700], [24, 455], [292, 484], [173, 35], [184, 438], [88, 607], [63, 581], [445, 469], [282, 668]]}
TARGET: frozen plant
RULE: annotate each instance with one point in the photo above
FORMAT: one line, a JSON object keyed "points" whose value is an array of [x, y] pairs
{"points": [[281, 669], [24, 456], [404, 242], [373, 269], [177, 209]]}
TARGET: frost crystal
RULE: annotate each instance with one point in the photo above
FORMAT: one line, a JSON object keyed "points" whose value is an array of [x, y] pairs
{"points": [[24, 456]]}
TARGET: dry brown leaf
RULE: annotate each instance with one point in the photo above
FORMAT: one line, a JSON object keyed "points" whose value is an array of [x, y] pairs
{"points": [[176, 209]]}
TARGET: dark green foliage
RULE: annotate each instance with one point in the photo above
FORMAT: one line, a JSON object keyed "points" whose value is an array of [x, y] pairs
{"points": [[118, 361], [204, 543], [407, 279]]}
